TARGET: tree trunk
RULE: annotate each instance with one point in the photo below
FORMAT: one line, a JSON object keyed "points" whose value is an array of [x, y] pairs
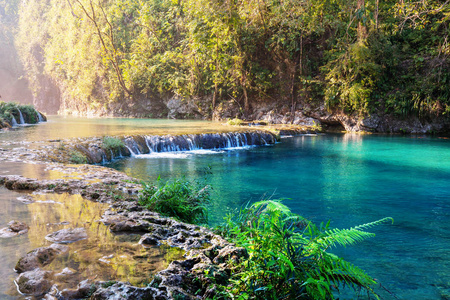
{"points": [[376, 16], [298, 68], [362, 30], [246, 104], [112, 55], [214, 97]]}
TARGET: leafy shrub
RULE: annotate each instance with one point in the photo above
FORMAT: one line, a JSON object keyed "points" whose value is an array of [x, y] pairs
{"points": [[316, 126], [181, 199], [8, 110], [112, 143], [288, 256], [235, 121], [29, 114], [77, 157], [351, 79]]}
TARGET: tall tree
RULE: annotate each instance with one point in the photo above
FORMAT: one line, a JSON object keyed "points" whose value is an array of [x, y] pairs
{"points": [[96, 13]]}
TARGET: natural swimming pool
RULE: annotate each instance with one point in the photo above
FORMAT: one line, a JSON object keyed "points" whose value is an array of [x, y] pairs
{"points": [[350, 179]]}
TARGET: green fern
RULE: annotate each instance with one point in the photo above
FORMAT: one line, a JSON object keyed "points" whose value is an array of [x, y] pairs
{"points": [[288, 256], [373, 224]]}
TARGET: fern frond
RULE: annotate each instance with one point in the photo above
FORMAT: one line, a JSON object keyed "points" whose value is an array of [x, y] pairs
{"points": [[343, 237], [372, 224], [341, 271], [273, 206]]}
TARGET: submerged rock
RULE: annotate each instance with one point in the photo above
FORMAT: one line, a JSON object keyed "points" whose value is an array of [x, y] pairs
{"points": [[67, 235], [120, 291], [14, 228], [40, 257], [199, 250], [84, 289], [17, 226], [36, 282], [65, 273]]}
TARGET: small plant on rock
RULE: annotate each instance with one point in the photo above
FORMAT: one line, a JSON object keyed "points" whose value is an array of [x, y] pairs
{"points": [[77, 157], [235, 121], [317, 126], [112, 143]]}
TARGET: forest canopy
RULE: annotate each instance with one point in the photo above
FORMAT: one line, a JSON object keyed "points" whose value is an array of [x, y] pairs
{"points": [[355, 56]]}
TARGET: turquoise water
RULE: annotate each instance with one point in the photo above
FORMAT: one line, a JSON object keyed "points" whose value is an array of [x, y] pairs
{"points": [[350, 179]]}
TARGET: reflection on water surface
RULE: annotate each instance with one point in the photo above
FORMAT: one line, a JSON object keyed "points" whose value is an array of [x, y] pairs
{"points": [[103, 256], [69, 127]]}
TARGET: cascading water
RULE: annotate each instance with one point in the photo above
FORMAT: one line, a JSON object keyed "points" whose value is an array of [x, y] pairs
{"points": [[21, 119], [13, 122], [40, 118], [215, 141], [140, 145]]}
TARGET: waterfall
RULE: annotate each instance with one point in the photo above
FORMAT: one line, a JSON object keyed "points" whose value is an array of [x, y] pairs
{"points": [[131, 151], [144, 144], [105, 159], [40, 118], [13, 121], [212, 141], [22, 121]]}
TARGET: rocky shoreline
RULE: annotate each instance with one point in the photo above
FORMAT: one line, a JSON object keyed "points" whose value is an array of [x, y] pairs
{"points": [[204, 251], [207, 257]]}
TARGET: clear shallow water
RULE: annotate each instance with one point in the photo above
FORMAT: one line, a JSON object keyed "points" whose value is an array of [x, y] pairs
{"points": [[103, 255], [350, 179], [59, 127]]}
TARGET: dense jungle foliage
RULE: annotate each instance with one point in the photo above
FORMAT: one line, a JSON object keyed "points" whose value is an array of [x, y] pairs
{"points": [[357, 56]]}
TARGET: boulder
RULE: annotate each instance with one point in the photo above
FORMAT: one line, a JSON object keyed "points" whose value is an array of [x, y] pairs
{"points": [[17, 226], [130, 226], [119, 291], [20, 183], [230, 252], [40, 257], [36, 282], [14, 228], [67, 235]]}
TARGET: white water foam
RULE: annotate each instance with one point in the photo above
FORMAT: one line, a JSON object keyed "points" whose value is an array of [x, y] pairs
{"points": [[177, 154]]}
